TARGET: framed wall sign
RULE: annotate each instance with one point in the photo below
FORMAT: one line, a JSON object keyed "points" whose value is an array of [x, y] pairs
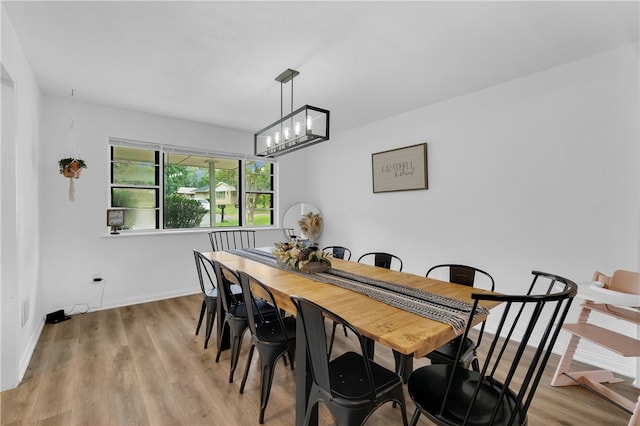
{"points": [[401, 169], [115, 217]]}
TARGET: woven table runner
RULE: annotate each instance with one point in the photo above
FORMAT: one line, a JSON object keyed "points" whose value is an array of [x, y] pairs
{"points": [[428, 305]]}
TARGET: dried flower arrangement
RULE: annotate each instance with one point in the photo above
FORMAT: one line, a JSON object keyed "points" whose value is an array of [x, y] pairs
{"points": [[311, 225], [296, 255]]}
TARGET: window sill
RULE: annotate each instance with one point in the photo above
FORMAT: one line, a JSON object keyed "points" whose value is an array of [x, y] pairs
{"points": [[168, 232]]}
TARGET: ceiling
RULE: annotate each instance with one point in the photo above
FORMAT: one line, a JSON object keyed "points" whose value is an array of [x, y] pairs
{"points": [[216, 62]]}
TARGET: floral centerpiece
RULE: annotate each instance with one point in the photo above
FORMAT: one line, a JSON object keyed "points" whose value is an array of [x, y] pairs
{"points": [[296, 255]]}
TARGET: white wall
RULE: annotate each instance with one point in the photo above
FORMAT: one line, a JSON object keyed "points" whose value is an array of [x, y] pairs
{"points": [[74, 234], [19, 231], [537, 173]]}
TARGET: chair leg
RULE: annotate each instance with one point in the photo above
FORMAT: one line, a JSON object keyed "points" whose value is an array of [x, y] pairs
{"points": [[204, 307], [475, 364], [292, 356], [416, 416], [246, 369], [333, 335], [225, 324], [399, 400], [268, 360], [211, 315], [236, 332]]}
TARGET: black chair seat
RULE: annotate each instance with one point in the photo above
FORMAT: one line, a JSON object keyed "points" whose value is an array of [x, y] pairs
{"points": [[239, 311], [446, 353], [349, 377], [271, 332], [427, 387]]}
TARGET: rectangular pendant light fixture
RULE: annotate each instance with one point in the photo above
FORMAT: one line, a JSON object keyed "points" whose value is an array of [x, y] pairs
{"points": [[304, 127]]}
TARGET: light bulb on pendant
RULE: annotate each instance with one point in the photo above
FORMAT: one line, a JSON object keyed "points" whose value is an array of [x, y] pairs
{"points": [[269, 141], [297, 128], [276, 136], [287, 133], [309, 124]]}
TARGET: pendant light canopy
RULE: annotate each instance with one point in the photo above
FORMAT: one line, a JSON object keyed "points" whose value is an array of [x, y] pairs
{"points": [[303, 127]]}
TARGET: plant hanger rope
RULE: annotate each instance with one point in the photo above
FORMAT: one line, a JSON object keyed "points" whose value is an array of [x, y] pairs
{"points": [[71, 153], [72, 148]]}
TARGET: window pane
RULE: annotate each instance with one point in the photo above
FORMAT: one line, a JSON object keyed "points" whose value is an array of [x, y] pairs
{"points": [[140, 219], [258, 176], [140, 204], [133, 166], [133, 197], [259, 209], [189, 176], [227, 206]]}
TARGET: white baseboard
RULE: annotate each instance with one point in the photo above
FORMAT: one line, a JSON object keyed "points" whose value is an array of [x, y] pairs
{"points": [[25, 359], [128, 301]]}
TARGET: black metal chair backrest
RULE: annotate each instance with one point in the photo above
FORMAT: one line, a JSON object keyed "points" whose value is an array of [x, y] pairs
{"points": [[254, 314], [232, 239], [226, 277], [462, 274], [339, 252], [531, 323], [206, 272], [382, 259]]}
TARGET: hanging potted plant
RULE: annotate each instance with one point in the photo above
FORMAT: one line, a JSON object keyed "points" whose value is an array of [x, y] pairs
{"points": [[71, 167]]}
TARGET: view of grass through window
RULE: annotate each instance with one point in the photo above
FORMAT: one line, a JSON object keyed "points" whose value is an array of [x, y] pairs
{"points": [[198, 191]]}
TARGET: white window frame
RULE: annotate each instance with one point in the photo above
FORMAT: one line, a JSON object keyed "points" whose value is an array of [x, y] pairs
{"points": [[166, 148]]}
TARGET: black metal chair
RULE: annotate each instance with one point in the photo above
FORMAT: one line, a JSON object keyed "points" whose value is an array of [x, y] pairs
{"points": [[206, 277], [351, 385], [273, 338], [236, 319], [501, 393], [339, 252], [446, 354], [232, 239], [383, 260]]}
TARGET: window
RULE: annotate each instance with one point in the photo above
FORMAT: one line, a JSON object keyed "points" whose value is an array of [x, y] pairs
{"points": [[167, 187]]}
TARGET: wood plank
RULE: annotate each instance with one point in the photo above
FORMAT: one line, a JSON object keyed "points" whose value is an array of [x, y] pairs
{"points": [[630, 315], [616, 342]]}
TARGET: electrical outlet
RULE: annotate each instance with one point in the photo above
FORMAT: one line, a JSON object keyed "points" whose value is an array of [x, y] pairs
{"points": [[97, 278]]}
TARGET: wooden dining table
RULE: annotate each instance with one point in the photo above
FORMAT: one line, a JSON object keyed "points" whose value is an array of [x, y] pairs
{"points": [[409, 335]]}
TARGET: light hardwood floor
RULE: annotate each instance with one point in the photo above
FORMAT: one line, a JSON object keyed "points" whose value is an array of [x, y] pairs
{"points": [[143, 365]]}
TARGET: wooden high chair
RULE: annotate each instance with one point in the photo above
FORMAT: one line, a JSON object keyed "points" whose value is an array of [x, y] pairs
{"points": [[617, 296]]}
